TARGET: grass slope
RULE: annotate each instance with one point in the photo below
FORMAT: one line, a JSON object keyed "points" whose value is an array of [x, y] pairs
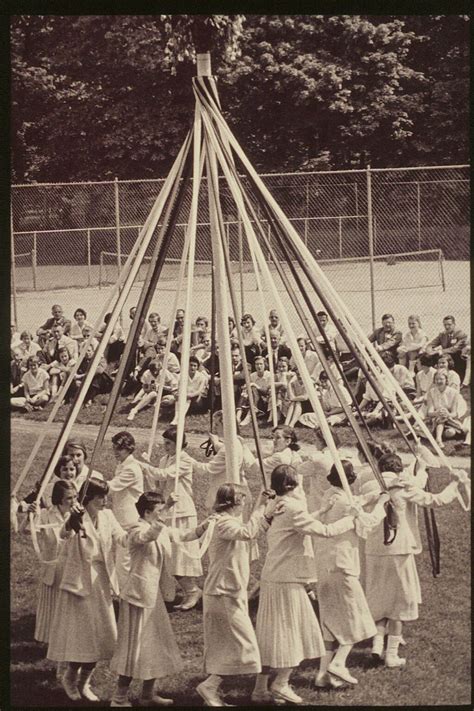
{"points": [[438, 651]]}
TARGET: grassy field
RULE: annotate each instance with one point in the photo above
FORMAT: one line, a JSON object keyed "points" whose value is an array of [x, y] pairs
{"points": [[438, 644]]}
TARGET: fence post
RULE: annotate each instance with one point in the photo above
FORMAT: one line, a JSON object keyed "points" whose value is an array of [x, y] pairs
{"points": [[33, 260], [371, 244], [241, 267], [339, 220], [418, 213], [117, 228], [13, 274], [375, 234], [89, 281], [101, 262]]}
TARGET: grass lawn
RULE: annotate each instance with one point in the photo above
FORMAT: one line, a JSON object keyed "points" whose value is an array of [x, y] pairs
{"points": [[438, 644]]}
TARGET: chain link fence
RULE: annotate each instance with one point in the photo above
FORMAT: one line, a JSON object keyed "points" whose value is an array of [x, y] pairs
{"points": [[70, 240]]}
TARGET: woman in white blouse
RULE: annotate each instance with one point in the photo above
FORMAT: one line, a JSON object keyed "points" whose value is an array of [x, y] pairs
{"points": [[445, 408], [412, 342]]}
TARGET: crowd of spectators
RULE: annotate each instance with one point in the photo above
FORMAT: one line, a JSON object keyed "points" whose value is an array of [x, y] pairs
{"points": [[430, 370]]}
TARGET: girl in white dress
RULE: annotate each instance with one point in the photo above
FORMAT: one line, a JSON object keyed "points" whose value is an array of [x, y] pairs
{"points": [[344, 614], [392, 584], [412, 342], [287, 628], [230, 644], [185, 561], [445, 408], [84, 630], [146, 647]]}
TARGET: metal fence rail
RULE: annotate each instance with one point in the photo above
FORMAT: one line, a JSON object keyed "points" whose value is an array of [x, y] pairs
{"points": [[60, 231]]}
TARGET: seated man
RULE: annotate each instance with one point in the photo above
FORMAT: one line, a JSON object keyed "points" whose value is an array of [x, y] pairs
{"points": [[274, 325], [386, 339], [451, 342], [153, 332], [36, 387], [277, 349], [57, 318], [63, 341], [311, 359], [150, 385], [371, 400], [116, 344], [17, 371]]}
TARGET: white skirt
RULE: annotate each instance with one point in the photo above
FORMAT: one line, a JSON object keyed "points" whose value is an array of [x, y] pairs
{"points": [[287, 628], [343, 609], [230, 644], [47, 599], [146, 646], [84, 628], [392, 587], [185, 558]]}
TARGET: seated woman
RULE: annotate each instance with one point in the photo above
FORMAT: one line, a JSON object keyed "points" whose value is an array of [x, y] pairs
{"points": [[59, 370], [149, 390], [445, 410], [36, 388], [423, 379], [412, 342], [77, 327], [299, 399], [445, 364], [17, 371], [252, 339], [260, 388], [283, 375], [27, 347]]}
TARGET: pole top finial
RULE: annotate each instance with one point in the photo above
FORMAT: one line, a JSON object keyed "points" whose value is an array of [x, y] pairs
{"points": [[204, 64]]}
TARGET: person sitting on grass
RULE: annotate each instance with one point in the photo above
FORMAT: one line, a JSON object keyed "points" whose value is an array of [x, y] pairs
{"points": [[451, 342], [116, 343], [299, 399], [59, 370], [260, 388], [412, 342], [423, 379], [27, 347], [36, 388], [370, 402], [57, 317], [445, 364], [77, 328], [283, 375], [150, 383], [17, 371], [311, 359], [466, 355], [196, 391], [445, 410]]}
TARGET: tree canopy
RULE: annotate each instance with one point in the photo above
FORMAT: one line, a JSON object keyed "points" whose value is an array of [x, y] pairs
{"points": [[100, 96]]}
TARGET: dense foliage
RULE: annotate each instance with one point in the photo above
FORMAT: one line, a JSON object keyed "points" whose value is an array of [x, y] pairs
{"points": [[99, 96]]}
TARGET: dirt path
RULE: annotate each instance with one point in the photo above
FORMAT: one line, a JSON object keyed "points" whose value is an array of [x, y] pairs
{"points": [[19, 426]]}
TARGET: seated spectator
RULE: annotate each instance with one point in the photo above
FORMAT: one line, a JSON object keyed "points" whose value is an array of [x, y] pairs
{"points": [[77, 328], [423, 378], [27, 347], [202, 350], [116, 344], [466, 354], [199, 331], [153, 333], [386, 339], [451, 342], [59, 370], [260, 390], [330, 403], [150, 385], [412, 342], [277, 349], [63, 341], [196, 390], [252, 339], [445, 410], [232, 329], [15, 339], [57, 318], [17, 371], [173, 363], [86, 332], [36, 387], [298, 397], [274, 325], [283, 375], [178, 328], [330, 330], [446, 364], [370, 401], [311, 360], [101, 382]]}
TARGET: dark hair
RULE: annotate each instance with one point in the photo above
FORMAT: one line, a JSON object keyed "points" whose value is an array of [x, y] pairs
{"points": [[32, 359], [96, 487], [377, 449], [59, 489], [171, 434], [450, 318], [65, 459], [63, 349], [390, 463], [323, 375], [80, 311], [291, 434], [321, 313], [247, 316], [154, 365], [124, 440], [78, 444], [386, 316], [227, 496], [388, 359], [283, 479], [148, 500], [107, 317], [334, 478], [425, 359], [322, 439], [26, 333], [448, 358], [193, 359]]}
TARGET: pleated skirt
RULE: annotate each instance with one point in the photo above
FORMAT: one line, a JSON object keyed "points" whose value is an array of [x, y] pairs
{"points": [[84, 628], [343, 610], [392, 587], [47, 599], [146, 646], [185, 558], [287, 628], [230, 643]]}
